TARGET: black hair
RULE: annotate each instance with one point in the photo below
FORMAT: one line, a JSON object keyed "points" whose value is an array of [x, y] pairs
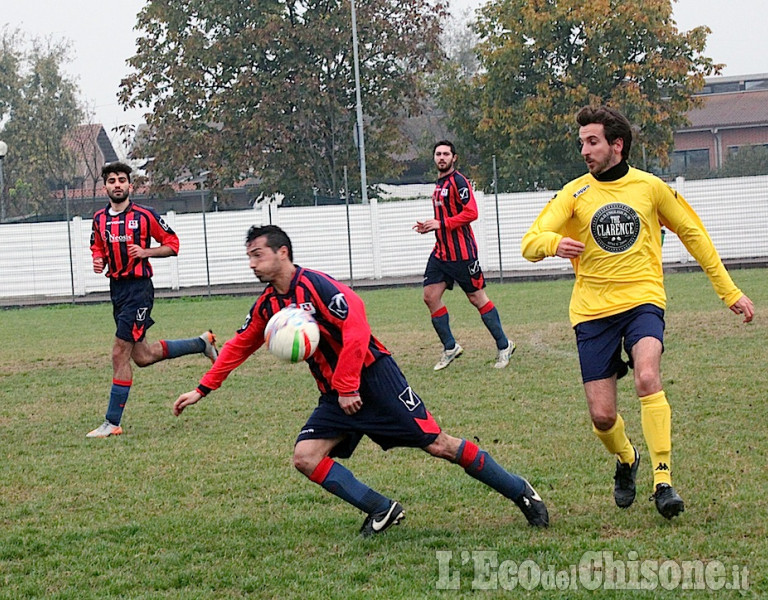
{"points": [[276, 238], [115, 167], [616, 125]]}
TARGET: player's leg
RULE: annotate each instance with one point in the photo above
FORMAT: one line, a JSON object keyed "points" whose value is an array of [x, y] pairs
{"points": [[145, 354], [480, 465], [312, 457], [490, 316], [599, 345], [436, 281], [122, 379], [656, 417]]}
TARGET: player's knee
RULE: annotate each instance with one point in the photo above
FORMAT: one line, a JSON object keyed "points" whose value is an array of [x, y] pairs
{"points": [[304, 463], [603, 420], [647, 382]]}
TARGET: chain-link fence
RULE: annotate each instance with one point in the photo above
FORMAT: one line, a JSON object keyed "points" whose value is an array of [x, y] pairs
{"points": [[361, 244]]}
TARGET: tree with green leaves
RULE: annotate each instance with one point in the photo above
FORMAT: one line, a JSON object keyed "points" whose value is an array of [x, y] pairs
{"points": [[541, 60], [38, 110], [267, 87]]}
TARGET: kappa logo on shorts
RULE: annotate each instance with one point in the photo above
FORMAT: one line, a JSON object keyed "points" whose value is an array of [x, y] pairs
{"points": [[338, 306], [410, 399], [141, 314]]}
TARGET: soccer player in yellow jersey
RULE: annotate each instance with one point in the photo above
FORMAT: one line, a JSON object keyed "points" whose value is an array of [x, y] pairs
{"points": [[608, 223]]}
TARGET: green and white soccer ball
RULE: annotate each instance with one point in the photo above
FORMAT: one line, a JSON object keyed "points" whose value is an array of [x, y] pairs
{"points": [[292, 334]]}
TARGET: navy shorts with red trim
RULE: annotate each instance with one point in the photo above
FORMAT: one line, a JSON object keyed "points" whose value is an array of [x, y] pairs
{"points": [[392, 414], [599, 341], [132, 302], [467, 273]]}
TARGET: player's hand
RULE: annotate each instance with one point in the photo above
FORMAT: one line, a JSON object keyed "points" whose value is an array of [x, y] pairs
{"points": [[350, 404], [569, 248], [99, 264], [427, 226], [185, 400], [135, 251], [744, 306]]}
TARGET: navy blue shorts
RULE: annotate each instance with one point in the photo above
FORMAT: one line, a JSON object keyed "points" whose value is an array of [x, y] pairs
{"points": [[392, 414], [467, 273], [599, 341], [132, 302]]}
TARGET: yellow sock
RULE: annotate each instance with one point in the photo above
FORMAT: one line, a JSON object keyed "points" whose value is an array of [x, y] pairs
{"points": [[656, 417], [616, 441]]}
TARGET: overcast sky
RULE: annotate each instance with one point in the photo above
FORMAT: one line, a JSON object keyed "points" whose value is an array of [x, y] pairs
{"points": [[102, 38]]}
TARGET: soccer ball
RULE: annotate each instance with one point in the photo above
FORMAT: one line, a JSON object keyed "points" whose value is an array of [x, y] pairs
{"points": [[292, 334]]}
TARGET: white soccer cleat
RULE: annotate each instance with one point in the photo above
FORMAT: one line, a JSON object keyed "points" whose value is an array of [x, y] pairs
{"points": [[448, 357], [105, 430], [502, 360], [210, 345]]}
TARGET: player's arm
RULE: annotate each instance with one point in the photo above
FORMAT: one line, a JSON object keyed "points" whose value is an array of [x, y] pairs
{"points": [[98, 250], [678, 216], [466, 197], [161, 232], [234, 353], [546, 235]]}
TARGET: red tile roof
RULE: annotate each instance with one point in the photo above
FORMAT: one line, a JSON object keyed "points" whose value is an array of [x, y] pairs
{"points": [[740, 109]]}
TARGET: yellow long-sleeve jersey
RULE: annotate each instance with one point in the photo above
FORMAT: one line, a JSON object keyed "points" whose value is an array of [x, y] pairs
{"points": [[619, 223]]}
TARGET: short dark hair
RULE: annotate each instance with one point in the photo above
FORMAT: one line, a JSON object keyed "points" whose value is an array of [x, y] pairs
{"points": [[276, 238], [616, 125], [444, 143], [115, 167]]}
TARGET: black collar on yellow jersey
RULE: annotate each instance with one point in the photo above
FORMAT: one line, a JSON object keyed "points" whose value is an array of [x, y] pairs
{"points": [[614, 173]]}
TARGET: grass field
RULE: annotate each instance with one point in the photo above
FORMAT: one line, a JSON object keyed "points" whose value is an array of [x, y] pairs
{"points": [[208, 505]]}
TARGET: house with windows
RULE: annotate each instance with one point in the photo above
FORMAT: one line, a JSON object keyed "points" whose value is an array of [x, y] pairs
{"points": [[733, 114]]}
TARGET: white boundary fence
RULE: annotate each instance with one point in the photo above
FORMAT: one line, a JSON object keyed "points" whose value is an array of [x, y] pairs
{"points": [[378, 245]]}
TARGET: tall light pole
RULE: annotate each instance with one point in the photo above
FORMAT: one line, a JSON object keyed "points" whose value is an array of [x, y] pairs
{"points": [[361, 142], [3, 152], [360, 134]]}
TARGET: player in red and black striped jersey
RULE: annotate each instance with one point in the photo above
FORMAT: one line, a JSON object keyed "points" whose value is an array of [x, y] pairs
{"points": [[121, 243], [454, 258], [362, 390]]}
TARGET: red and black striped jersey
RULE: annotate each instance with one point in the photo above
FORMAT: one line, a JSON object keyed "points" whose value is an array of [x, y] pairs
{"points": [[138, 225], [455, 208], [346, 342]]}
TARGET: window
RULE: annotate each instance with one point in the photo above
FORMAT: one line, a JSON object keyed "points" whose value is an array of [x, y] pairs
{"points": [[689, 162]]}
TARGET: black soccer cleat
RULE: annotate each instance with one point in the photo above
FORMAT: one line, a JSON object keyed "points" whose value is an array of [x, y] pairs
{"points": [[378, 522], [668, 501], [624, 490], [533, 507]]}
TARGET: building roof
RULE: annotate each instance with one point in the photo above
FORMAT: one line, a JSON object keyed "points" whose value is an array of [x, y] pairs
{"points": [[734, 109]]}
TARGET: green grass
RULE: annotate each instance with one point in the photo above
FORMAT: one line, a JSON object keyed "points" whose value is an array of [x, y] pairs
{"points": [[208, 505]]}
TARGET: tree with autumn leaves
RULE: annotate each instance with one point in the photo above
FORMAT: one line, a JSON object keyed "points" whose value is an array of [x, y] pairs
{"points": [[541, 60], [266, 87]]}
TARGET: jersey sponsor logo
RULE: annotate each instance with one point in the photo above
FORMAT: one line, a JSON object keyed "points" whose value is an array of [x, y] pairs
{"points": [[120, 238], [615, 227], [579, 192], [141, 314], [410, 399], [133, 224], [338, 306]]}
